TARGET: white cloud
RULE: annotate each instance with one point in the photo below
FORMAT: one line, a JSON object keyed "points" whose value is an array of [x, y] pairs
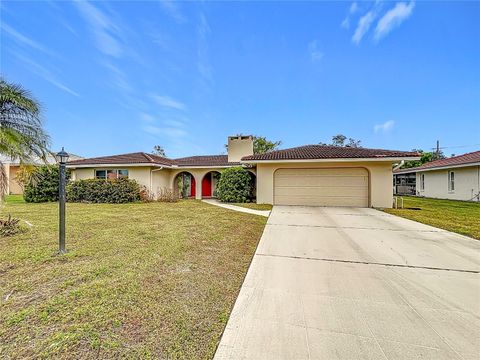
{"points": [[386, 127], [173, 11], [363, 25], [107, 34], [393, 18], [44, 73], [352, 10], [315, 53], [166, 101], [24, 40]]}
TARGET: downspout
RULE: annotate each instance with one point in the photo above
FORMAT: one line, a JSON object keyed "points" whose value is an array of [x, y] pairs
{"points": [[151, 177], [399, 165]]}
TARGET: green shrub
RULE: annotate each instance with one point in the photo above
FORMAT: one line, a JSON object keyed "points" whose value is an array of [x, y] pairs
{"points": [[114, 191], [43, 184], [235, 185]]}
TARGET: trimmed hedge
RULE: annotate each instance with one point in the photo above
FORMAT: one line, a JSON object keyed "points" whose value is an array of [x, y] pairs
{"points": [[113, 191], [235, 185], [43, 185]]}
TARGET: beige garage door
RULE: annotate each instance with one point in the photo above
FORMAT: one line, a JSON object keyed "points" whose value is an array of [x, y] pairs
{"points": [[321, 187]]}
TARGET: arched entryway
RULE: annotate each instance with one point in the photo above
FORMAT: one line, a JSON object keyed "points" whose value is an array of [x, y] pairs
{"points": [[209, 183], [185, 185]]}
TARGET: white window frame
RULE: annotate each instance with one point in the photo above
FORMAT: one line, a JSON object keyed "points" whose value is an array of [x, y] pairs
{"points": [[422, 182], [451, 181], [106, 173]]}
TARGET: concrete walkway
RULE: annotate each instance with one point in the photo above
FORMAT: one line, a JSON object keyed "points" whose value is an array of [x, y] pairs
{"points": [[342, 283], [215, 202]]}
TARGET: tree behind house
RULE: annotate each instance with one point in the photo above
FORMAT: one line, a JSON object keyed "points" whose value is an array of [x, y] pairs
{"points": [[342, 141], [158, 150]]}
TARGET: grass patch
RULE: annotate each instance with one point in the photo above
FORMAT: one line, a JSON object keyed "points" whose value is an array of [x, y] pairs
{"points": [[254, 206], [155, 280], [14, 199], [461, 217]]}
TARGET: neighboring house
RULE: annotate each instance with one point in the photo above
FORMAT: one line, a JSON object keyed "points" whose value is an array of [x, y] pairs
{"points": [[12, 165], [457, 177], [306, 175]]}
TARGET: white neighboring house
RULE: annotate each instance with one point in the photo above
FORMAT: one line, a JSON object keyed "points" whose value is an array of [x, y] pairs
{"points": [[12, 165], [456, 178]]}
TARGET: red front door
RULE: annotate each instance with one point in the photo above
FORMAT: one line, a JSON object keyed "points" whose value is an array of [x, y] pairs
{"points": [[207, 185]]}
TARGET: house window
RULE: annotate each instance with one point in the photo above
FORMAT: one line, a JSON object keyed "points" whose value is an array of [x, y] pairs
{"points": [[422, 181], [111, 174], [451, 181]]}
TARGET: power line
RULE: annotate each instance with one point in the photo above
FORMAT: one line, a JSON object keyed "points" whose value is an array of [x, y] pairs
{"points": [[456, 146]]}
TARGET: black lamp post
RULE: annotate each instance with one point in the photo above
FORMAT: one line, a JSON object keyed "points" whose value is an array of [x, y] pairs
{"points": [[62, 158]]}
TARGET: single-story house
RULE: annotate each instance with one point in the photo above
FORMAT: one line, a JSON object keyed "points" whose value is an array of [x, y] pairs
{"points": [[306, 175], [457, 177], [11, 166]]}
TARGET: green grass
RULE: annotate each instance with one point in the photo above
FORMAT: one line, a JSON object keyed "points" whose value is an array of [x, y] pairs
{"points": [[254, 206], [458, 216], [139, 280], [14, 199]]}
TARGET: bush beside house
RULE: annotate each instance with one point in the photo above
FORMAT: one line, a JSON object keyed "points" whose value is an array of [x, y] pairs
{"points": [[235, 185], [42, 185], [114, 191]]}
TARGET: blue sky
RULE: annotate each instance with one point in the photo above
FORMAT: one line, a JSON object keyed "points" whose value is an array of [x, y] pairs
{"points": [[116, 77]]}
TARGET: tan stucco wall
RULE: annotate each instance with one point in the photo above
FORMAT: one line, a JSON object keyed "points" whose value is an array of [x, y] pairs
{"points": [[14, 187], [238, 147], [380, 179], [140, 174], [154, 179], [436, 183]]}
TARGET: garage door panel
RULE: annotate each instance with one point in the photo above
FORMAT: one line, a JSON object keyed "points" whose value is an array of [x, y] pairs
{"points": [[341, 191], [321, 187], [324, 171], [322, 201], [311, 180]]}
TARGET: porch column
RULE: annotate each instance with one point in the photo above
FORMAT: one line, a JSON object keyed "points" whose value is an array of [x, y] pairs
{"points": [[198, 187]]}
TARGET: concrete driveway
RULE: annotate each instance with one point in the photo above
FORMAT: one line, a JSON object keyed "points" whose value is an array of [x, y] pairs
{"points": [[345, 283]]}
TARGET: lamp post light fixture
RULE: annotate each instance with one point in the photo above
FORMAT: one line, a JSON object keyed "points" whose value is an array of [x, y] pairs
{"points": [[62, 158]]}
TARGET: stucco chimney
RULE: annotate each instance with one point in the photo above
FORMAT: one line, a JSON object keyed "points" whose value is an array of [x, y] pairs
{"points": [[239, 146]]}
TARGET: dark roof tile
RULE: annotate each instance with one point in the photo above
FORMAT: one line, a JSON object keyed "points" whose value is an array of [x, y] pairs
{"points": [[465, 159], [312, 152]]}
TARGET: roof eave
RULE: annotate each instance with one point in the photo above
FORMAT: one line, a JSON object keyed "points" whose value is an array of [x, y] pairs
{"points": [[376, 159], [74, 166], [438, 168]]}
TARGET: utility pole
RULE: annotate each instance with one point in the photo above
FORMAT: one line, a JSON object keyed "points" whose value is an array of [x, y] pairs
{"points": [[438, 150]]}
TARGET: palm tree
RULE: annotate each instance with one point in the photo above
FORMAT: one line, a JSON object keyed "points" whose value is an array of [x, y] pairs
{"points": [[22, 135]]}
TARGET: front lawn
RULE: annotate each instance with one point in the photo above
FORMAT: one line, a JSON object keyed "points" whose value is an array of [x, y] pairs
{"points": [[140, 280], [458, 216], [254, 206]]}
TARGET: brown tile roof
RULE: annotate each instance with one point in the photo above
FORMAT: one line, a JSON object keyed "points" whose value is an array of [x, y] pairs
{"points": [[132, 158], [465, 159], [312, 152], [207, 160], [144, 158]]}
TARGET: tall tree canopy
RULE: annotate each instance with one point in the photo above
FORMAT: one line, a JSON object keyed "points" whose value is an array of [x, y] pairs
{"points": [[158, 150], [342, 140], [22, 136], [261, 145]]}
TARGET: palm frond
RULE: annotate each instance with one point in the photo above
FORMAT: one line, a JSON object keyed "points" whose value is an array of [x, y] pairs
{"points": [[21, 128]]}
